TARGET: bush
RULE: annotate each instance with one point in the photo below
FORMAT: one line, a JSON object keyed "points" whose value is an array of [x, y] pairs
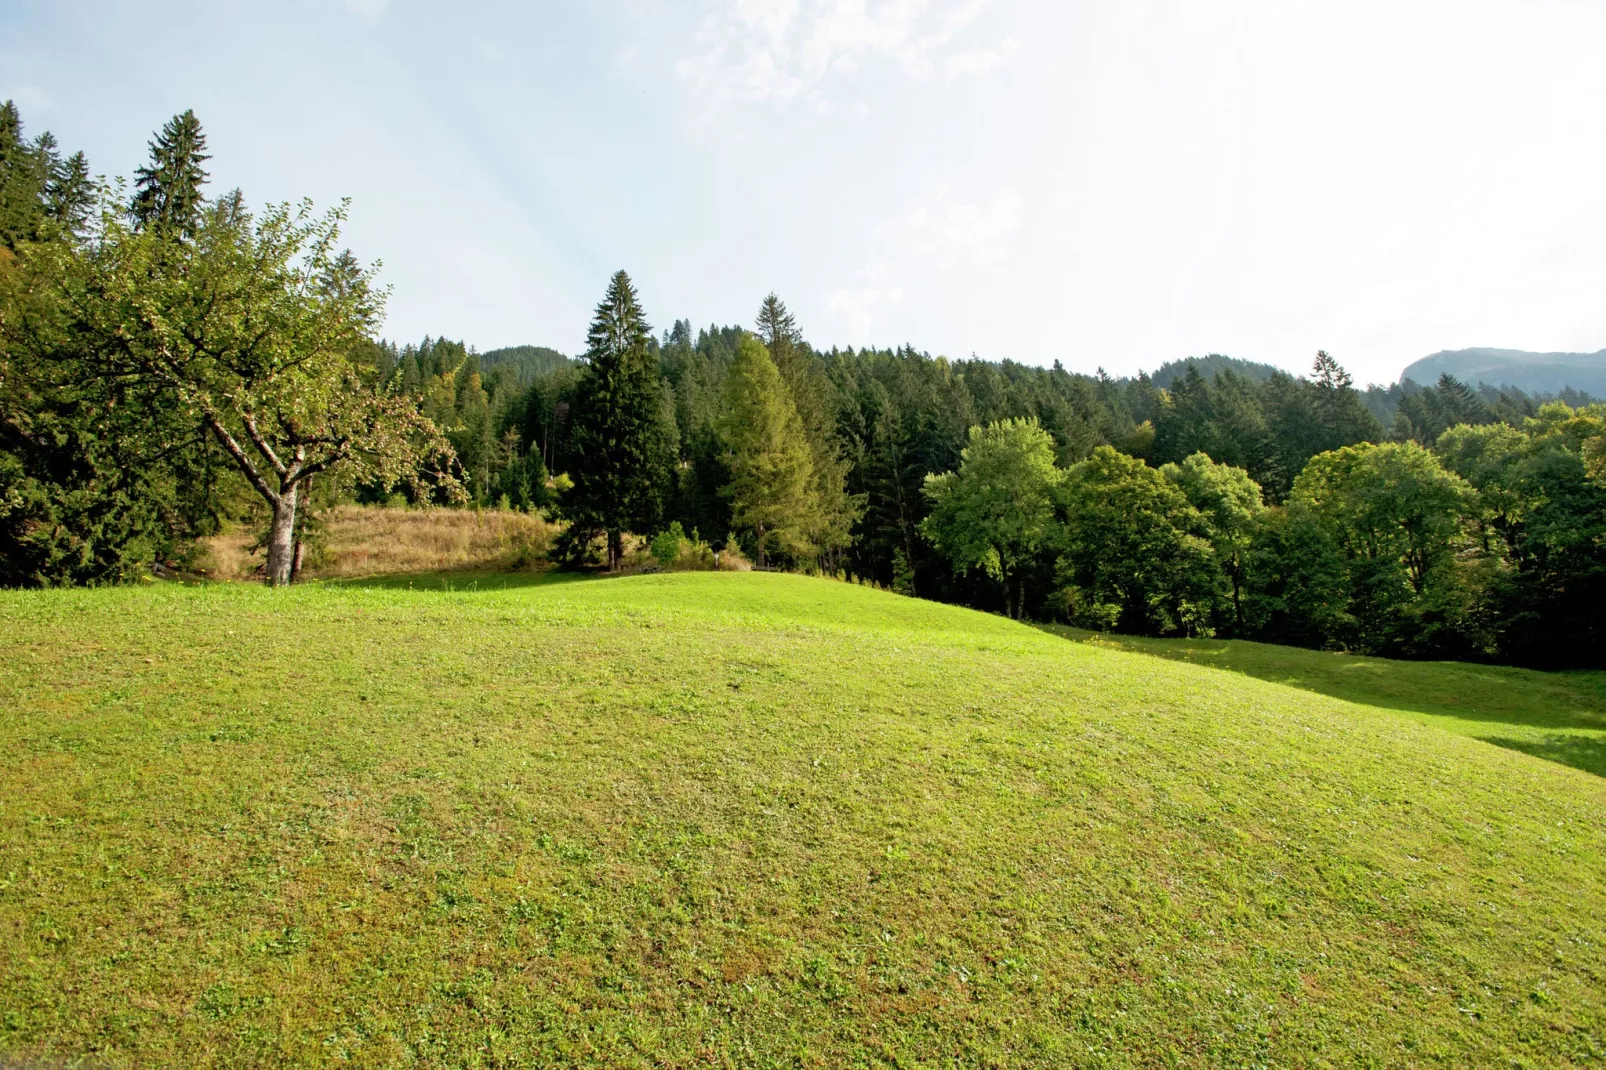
{"points": [[731, 558], [667, 545]]}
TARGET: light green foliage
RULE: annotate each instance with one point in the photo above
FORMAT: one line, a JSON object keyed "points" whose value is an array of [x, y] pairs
{"points": [[1397, 517], [767, 821], [996, 510], [1594, 453], [1229, 506], [771, 489], [243, 334], [1129, 557], [1491, 458], [1389, 503], [812, 394], [667, 544]]}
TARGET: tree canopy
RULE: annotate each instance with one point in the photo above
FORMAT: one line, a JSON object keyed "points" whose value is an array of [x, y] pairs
{"points": [[994, 512]]}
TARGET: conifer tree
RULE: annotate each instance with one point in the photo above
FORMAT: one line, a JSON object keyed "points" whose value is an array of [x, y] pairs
{"points": [[772, 478], [168, 192], [23, 173], [1341, 414], [70, 196], [624, 440], [812, 394], [777, 328]]}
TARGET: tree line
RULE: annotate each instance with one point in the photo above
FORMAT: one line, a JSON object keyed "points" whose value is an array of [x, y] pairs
{"points": [[169, 356], [1271, 507]]}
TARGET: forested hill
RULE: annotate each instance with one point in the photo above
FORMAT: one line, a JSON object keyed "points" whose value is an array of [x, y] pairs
{"points": [[1209, 366], [528, 363], [1533, 373]]}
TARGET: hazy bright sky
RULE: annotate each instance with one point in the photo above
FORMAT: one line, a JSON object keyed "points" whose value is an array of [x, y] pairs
{"points": [[1105, 183]]}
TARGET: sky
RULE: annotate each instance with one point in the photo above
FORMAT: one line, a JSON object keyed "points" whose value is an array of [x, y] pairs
{"points": [[1111, 183]]}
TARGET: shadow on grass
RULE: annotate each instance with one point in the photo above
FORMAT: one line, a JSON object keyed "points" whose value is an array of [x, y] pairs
{"points": [[1586, 752], [1479, 696], [462, 582]]}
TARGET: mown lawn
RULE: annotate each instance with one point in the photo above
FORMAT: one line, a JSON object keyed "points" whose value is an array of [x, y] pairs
{"points": [[752, 820], [1560, 716]]}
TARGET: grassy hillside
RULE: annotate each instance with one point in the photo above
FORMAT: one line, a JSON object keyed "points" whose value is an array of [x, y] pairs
{"points": [[719, 819], [1560, 716]]}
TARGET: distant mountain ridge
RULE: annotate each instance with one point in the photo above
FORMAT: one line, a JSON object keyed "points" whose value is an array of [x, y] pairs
{"points": [[1532, 373]]}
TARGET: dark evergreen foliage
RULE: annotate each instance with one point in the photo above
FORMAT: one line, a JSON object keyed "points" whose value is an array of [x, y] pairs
{"points": [[1210, 366], [167, 191], [37, 187], [527, 363], [622, 442]]}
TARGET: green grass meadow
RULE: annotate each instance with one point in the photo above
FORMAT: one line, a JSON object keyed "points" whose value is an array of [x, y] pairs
{"points": [[722, 819]]}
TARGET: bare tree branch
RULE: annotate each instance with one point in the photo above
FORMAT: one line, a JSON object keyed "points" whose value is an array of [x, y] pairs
{"points": [[262, 444], [241, 459]]}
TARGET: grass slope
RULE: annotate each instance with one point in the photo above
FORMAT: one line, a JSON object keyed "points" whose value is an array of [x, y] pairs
{"points": [[1560, 716], [750, 820]]}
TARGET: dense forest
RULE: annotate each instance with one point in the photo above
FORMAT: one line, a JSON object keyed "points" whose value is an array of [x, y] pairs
{"points": [[1215, 497]]}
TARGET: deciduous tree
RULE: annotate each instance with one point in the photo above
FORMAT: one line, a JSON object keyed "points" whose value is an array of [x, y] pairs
{"points": [[995, 511], [1229, 506], [1128, 555], [243, 333]]}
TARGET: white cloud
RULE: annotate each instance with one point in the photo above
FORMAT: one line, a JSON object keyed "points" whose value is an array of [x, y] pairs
{"points": [[757, 50], [979, 61], [771, 18], [961, 230], [857, 309], [368, 9]]}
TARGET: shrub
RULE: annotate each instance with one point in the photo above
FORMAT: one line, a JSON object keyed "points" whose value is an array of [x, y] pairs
{"points": [[667, 545], [731, 558]]}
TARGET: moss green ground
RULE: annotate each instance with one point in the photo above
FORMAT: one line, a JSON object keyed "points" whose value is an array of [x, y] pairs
{"points": [[762, 820]]}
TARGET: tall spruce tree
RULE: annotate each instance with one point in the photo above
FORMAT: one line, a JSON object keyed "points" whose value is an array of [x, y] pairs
{"points": [[167, 193], [70, 194], [24, 170], [1343, 417], [624, 443], [772, 477]]}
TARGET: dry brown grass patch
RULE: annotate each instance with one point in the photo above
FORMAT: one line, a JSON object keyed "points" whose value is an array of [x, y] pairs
{"points": [[361, 540]]}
